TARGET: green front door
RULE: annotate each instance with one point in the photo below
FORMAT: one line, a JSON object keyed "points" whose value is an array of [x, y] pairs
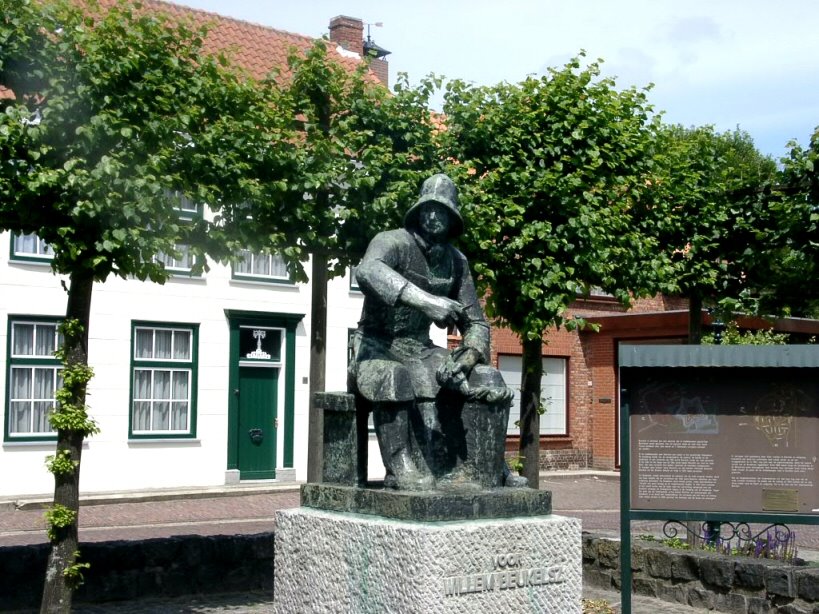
{"points": [[258, 387]]}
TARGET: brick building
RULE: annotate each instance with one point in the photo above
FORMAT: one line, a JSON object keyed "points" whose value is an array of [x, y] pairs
{"points": [[580, 384]]}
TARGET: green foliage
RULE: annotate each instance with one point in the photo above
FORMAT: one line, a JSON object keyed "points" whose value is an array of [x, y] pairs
{"points": [[114, 112], [672, 542], [786, 280], [61, 463], [515, 463], [73, 573], [70, 413], [358, 158], [58, 517], [712, 214], [555, 174], [732, 335]]}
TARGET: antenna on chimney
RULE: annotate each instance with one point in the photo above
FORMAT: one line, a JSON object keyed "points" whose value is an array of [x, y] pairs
{"points": [[370, 48], [377, 24]]}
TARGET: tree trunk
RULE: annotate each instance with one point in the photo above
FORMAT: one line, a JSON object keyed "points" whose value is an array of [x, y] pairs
{"points": [[57, 591], [529, 409], [318, 361]]}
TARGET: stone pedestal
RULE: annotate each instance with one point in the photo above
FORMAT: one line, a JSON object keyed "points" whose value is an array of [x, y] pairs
{"points": [[336, 563]]}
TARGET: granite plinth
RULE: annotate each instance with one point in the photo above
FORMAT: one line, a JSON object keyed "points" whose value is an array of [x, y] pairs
{"points": [[331, 563], [428, 506]]}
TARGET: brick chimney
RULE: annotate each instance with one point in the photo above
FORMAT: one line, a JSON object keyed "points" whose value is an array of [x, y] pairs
{"points": [[348, 32]]}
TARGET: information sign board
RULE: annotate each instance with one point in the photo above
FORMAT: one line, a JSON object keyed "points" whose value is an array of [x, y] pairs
{"points": [[723, 439]]}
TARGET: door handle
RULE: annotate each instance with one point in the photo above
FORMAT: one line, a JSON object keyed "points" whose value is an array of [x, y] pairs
{"points": [[256, 435]]}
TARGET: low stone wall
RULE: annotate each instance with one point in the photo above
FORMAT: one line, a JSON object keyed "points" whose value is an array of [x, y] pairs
{"points": [[194, 564], [704, 580], [129, 570]]}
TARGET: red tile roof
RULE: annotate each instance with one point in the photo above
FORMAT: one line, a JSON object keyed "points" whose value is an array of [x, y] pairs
{"points": [[255, 48]]}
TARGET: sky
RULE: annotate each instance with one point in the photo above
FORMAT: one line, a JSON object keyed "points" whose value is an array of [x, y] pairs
{"points": [[752, 64]]}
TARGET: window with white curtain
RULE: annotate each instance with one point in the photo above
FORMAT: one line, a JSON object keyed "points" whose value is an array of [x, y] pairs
{"points": [[30, 247], [553, 421], [260, 267], [182, 262], [34, 376], [163, 385], [353, 281]]}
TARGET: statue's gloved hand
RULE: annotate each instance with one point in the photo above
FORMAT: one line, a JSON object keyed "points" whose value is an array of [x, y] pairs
{"points": [[455, 370], [493, 395], [453, 375], [440, 309]]}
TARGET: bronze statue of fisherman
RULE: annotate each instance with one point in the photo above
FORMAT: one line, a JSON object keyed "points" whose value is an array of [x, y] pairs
{"points": [[440, 416]]}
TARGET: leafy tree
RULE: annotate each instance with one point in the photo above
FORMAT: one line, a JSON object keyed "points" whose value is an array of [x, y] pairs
{"points": [[786, 280], [732, 335], [713, 214], [114, 114], [555, 173], [360, 154]]}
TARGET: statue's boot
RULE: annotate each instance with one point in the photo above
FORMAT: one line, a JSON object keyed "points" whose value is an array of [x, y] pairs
{"points": [[510, 480], [459, 478], [392, 430]]}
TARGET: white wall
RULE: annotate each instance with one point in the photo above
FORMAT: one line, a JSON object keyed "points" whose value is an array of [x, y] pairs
{"points": [[110, 461]]}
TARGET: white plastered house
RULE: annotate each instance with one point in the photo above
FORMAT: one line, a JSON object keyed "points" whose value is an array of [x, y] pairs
{"points": [[200, 382]]}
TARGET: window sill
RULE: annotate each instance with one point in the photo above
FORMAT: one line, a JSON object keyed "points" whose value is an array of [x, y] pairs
{"points": [[255, 281], [155, 441], [45, 444], [36, 262], [185, 277]]}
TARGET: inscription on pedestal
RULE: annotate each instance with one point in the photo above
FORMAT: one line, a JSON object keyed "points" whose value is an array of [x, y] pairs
{"points": [[510, 571]]}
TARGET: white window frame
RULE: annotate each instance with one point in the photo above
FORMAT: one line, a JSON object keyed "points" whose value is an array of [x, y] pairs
{"points": [[183, 264], [554, 387], [247, 259]]}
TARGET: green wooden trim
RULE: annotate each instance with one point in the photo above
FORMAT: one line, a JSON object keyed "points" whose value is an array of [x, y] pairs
{"points": [[288, 321], [47, 362], [268, 318], [233, 399], [257, 279], [192, 365], [289, 395], [290, 280]]}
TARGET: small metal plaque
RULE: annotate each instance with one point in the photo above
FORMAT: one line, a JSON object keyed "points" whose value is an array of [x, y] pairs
{"points": [[780, 499]]}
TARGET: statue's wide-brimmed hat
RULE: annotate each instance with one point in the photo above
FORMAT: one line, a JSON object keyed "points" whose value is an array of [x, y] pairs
{"points": [[438, 189]]}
